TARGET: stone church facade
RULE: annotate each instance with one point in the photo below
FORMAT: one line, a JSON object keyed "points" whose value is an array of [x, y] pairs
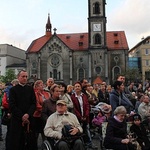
{"points": [[70, 57]]}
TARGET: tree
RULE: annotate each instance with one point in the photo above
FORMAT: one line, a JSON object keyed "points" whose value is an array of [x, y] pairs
{"points": [[9, 76], [133, 74]]}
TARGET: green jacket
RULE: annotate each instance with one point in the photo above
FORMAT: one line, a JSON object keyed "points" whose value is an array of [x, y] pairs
{"points": [[1, 105]]}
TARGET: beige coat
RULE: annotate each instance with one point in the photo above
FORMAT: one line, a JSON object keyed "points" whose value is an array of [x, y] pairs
{"points": [[55, 123]]}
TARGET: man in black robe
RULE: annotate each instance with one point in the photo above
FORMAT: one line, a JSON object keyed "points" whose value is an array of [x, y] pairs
{"points": [[22, 103]]}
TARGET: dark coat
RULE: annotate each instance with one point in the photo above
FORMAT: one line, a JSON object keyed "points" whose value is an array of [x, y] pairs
{"points": [[141, 134], [103, 97], [22, 100], [115, 132], [49, 107]]}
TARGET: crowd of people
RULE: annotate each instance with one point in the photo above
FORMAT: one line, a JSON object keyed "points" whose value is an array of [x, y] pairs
{"points": [[46, 108]]}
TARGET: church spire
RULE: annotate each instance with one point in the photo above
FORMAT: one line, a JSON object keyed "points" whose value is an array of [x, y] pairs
{"points": [[48, 26]]}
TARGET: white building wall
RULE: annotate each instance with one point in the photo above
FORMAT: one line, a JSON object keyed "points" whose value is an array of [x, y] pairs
{"points": [[10, 55], [2, 65]]}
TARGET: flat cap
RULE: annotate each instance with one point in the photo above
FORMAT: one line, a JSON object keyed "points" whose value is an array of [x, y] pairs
{"points": [[63, 102]]}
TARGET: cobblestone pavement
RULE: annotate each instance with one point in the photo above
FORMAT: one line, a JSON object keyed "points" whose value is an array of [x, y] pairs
{"points": [[2, 143]]}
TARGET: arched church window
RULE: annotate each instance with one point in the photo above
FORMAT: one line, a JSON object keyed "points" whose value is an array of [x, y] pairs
{"points": [[55, 74], [116, 71], [51, 74], [97, 39], [80, 73], [96, 8], [59, 74]]}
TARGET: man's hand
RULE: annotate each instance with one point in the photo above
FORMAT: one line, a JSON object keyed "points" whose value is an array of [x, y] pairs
{"points": [[25, 117], [125, 141], [74, 131]]}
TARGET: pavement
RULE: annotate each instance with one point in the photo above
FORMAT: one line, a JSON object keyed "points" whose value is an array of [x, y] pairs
{"points": [[95, 139]]}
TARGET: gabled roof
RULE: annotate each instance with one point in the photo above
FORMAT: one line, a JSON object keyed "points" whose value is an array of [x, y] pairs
{"points": [[79, 41], [143, 41], [37, 44], [98, 80]]}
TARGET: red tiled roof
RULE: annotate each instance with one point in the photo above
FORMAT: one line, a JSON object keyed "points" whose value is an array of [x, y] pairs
{"points": [[72, 40], [98, 80], [37, 44], [79, 41], [116, 40]]}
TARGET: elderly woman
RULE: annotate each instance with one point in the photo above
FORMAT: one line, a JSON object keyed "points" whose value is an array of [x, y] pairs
{"points": [[41, 96], [116, 132]]}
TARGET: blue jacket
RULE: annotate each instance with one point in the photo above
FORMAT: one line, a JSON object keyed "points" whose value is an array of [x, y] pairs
{"points": [[6, 90], [117, 99]]}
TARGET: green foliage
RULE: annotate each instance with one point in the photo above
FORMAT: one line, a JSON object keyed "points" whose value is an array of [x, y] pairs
{"points": [[9, 76], [132, 74]]}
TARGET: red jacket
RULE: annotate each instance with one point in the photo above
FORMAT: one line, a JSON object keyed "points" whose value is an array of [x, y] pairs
{"points": [[39, 101], [77, 109], [5, 103]]}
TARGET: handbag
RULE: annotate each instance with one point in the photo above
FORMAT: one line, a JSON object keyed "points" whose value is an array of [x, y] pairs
{"points": [[66, 131], [67, 136]]}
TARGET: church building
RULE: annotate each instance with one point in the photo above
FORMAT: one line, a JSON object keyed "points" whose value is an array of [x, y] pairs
{"points": [[97, 54]]}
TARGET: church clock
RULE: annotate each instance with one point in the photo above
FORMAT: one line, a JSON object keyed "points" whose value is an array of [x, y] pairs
{"points": [[97, 27]]}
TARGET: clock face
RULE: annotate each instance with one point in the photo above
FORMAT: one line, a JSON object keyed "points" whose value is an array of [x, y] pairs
{"points": [[54, 60], [97, 27]]}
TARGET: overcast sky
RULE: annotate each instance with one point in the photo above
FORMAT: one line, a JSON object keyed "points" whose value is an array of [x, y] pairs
{"points": [[22, 21]]}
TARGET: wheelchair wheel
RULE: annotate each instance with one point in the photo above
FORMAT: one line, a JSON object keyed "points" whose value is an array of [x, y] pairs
{"points": [[46, 145]]}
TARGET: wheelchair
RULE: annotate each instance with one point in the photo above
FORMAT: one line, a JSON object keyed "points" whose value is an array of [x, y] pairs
{"points": [[46, 145], [50, 144]]}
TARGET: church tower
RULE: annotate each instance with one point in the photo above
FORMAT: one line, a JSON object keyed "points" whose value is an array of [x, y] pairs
{"points": [[97, 23], [48, 27], [97, 40]]}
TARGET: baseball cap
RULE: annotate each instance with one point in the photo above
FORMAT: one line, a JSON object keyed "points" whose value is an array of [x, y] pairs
{"points": [[63, 102]]}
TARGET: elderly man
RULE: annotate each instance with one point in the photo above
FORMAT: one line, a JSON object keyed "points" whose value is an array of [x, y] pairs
{"points": [[144, 110], [56, 122], [49, 83]]}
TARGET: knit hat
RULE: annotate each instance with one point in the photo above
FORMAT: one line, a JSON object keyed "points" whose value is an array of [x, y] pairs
{"points": [[136, 117]]}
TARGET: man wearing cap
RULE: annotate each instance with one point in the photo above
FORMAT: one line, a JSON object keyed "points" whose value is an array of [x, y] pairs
{"points": [[56, 122]]}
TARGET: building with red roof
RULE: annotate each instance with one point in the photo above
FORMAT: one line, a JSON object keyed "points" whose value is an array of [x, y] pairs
{"points": [[71, 57]]}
